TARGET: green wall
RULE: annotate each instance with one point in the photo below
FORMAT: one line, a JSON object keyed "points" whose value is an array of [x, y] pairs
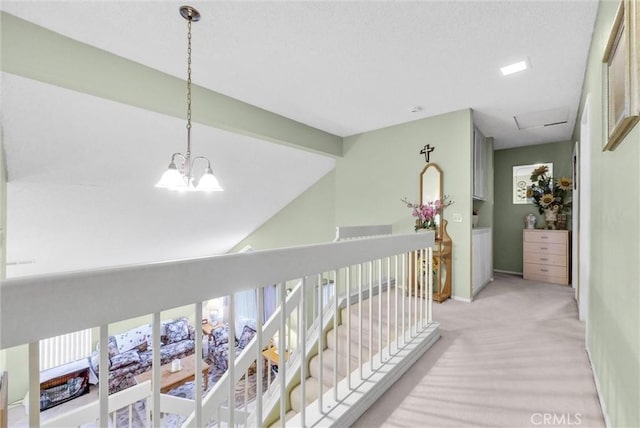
{"points": [[509, 217], [613, 323], [379, 168], [307, 219]]}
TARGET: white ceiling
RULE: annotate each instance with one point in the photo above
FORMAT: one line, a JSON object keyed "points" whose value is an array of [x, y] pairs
{"points": [[343, 67]]}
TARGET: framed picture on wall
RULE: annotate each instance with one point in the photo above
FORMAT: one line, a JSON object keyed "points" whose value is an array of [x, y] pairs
{"points": [[622, 83], [522, 181]]}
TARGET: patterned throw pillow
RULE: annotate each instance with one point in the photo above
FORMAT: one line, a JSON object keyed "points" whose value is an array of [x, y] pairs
{"points": [[246, 336], [220, 336], [177, 330]]}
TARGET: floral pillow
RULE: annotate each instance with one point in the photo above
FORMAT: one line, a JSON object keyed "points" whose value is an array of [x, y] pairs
{"points": [[246, 336], [133, 338], [177, 330], [124, 359]]}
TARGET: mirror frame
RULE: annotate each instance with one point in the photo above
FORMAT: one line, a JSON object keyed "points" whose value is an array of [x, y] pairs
{"points": [[422, 181]]}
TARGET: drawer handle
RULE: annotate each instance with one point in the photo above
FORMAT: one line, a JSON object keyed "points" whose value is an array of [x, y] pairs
{"points": [[544, 260], [544, 237], [544, 270], [543, 248]]}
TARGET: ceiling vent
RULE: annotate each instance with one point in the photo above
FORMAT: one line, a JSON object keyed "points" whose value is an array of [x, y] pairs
{"points": [[552, 117]]}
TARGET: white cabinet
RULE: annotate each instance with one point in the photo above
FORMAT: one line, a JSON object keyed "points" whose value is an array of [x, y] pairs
{"points": [[482, 266], [479, 166]]}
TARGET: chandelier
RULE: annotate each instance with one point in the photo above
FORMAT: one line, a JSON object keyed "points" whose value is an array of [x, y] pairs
{"points": [[182, 177]]}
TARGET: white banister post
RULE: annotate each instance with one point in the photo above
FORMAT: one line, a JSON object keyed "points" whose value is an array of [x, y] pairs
{"points": [[320, 341], [389, 305], [259, 357], [103, 375], [423, 266], [282, 352], [198, 373], [34, 384], [156, 374], [348, 294], [404, 288], [360, 320], [380, 309], [303, 346], [231, 371], [430, 282], [370, 278], [335, 335]]}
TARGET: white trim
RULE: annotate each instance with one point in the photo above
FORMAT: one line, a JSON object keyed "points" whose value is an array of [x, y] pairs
{"points": [[461, 299], [584, 221], [603, 405]]}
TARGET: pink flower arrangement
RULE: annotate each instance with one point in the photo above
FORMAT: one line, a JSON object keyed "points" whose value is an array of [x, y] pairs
{"points": [[426, 213]]}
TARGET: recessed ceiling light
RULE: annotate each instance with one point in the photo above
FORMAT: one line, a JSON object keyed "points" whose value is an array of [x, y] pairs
{"points": [[514, 68]]}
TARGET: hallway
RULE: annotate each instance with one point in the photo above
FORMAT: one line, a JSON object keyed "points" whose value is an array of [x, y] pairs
{"points": [[515, 357]]}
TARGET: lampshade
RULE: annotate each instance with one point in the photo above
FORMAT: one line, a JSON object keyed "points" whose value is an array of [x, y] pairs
{"points": [[209, 182], [172, 178]]}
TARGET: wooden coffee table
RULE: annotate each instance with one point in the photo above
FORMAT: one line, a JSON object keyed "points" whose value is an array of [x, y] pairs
{"points": [[171, 380]]}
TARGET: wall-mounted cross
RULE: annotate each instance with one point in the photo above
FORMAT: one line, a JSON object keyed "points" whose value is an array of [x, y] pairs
{"points": [[425, 151]]}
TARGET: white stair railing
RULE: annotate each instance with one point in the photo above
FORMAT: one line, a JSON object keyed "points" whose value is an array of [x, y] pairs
{"points": [[98, 298]]}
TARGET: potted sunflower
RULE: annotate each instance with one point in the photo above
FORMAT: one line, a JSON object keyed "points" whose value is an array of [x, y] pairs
{"points": [[551, 197]]}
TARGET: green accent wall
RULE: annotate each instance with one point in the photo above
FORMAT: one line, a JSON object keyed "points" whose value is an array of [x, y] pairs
{"points": [[509, 217], [37, 53], [377, 170], [613, 323], [308, 219]]}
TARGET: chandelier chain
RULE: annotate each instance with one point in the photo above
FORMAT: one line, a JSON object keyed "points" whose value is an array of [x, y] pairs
{"points": [[189, 88]]}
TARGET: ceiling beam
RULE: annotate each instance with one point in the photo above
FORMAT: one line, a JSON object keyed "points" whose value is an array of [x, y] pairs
{"points": [[37, 53]]}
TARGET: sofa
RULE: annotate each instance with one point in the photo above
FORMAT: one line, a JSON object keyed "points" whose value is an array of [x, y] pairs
{"points": [[131, 352], [219, 344]]}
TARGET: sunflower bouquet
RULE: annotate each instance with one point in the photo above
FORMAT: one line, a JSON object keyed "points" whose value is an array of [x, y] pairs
{"points": [[547, 194]]}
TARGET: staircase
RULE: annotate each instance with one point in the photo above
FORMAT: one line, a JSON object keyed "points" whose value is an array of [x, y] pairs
{"points": [[367, 328]]}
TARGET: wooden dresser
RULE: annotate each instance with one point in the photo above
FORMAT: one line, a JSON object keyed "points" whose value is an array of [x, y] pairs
{"points": [[546, 255]]}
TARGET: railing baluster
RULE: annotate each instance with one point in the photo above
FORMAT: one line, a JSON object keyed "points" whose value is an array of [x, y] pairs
{"points": [[34, 383], [423, 266], [103, 375], [389, 304], [415, 294], [320, 341], [198, 373], [335, 335], [397, 309], [380, 309], [348, 344], [232, 360], [404, 287], [430, 282], [156, 376], [259, 356], [360, 319], [370, 266], [303, 347], [282, 353]]}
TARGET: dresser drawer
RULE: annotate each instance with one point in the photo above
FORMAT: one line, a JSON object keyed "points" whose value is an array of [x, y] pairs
{"points": [[542, 248], [547, 278], [546, 259], [545, 236], [531, 269]]}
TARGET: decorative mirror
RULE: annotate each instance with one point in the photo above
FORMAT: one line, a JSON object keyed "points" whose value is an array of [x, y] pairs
{"points": [[431, 179], [430, 183]]}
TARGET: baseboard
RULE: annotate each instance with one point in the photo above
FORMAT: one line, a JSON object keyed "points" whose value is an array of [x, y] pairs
{"points": [[507, 272], [461, 299], [603, 405]]}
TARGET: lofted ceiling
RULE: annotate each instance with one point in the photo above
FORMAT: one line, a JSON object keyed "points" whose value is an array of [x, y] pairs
{"points": [[80, 166]]}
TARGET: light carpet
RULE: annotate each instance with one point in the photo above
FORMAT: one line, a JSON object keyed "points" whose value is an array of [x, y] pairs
{"points": [[515, 357]]}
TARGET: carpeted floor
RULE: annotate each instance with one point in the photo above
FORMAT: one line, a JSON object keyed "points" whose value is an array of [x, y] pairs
{"points": [[515, 357]]}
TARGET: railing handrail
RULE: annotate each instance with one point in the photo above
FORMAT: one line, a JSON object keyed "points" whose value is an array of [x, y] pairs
{"points": [[87, 299]]}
